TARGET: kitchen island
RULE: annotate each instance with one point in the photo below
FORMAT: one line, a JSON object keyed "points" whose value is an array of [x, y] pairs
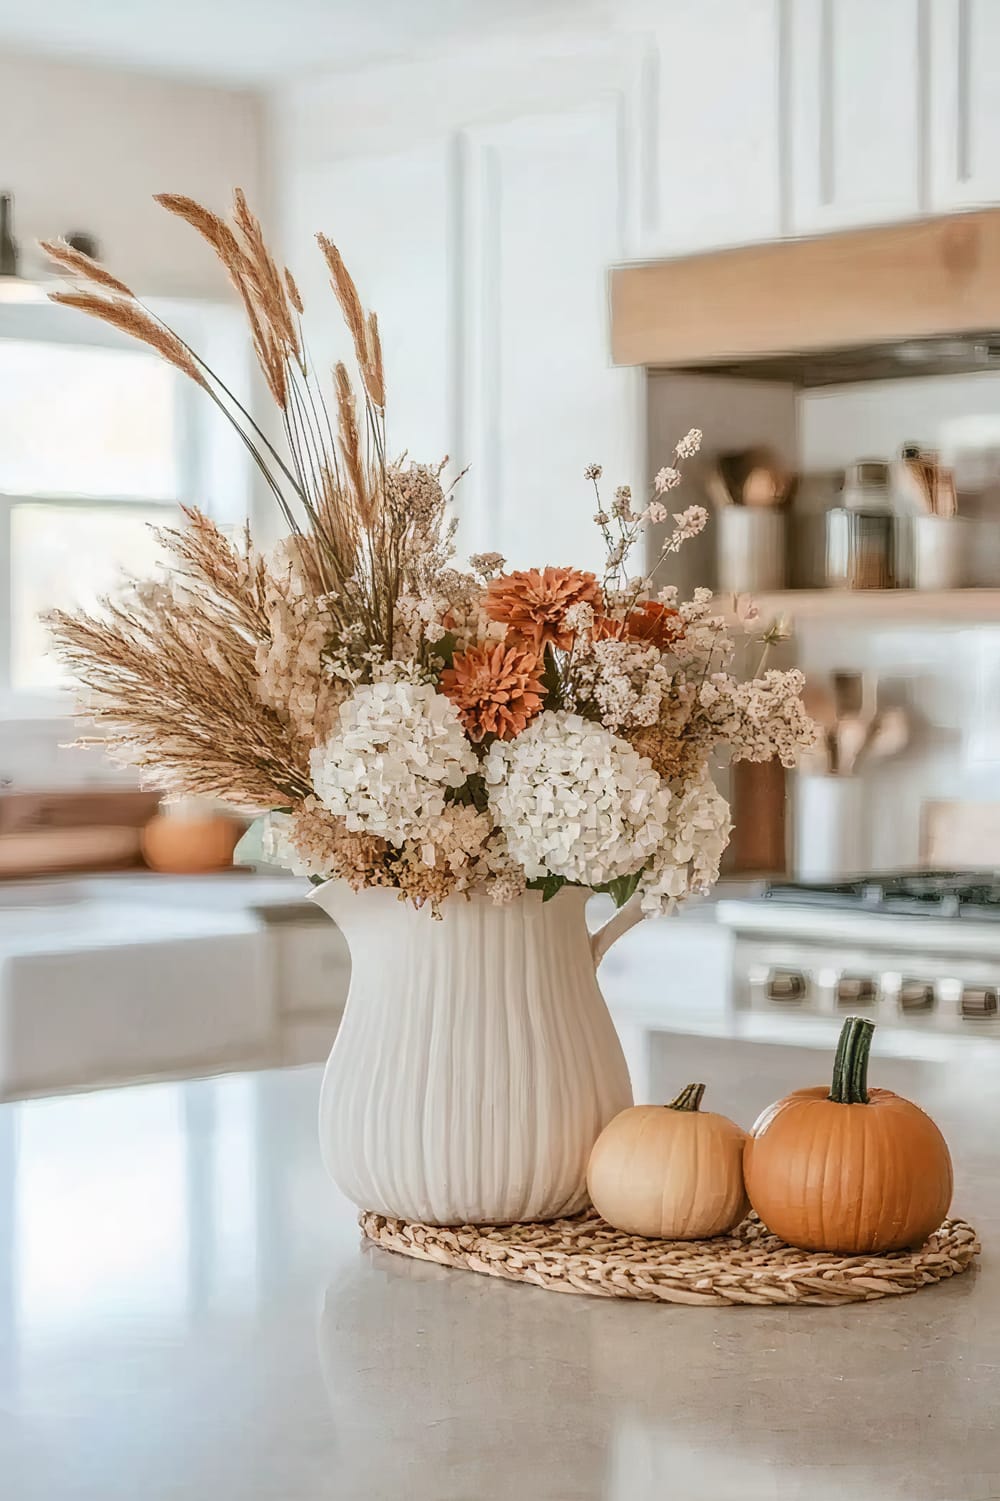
{"points": [[187, 1312]]}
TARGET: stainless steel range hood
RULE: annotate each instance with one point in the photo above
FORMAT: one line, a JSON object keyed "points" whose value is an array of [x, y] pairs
{"points": [[914, 299]]}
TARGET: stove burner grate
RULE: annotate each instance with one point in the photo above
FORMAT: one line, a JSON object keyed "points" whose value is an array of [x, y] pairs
{"points": [[929, 893]]}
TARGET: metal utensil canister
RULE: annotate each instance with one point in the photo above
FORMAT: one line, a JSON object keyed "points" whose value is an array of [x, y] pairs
{"points": [[860, 532], [750, 546], [939, 550]]}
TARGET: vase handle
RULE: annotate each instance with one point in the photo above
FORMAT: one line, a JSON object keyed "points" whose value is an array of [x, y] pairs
{"points": [[625, 918]]}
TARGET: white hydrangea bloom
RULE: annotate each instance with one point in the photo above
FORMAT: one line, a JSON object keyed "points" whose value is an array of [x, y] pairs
{"points": [[698, 829], [575, 801], [276, 847], [398, 748]]}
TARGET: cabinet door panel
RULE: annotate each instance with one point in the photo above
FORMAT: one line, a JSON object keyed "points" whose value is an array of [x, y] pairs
{"points": [[544, 221], [711, 126], [855, 112], [965, 103]]}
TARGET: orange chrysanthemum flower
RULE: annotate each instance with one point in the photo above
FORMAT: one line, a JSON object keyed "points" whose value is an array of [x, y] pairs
{"points": [[652, 622], [494, 688], [533, 603]]}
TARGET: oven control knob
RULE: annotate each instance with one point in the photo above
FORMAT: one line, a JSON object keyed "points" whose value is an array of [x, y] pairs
{"points": [[978, 1001], [856, 990], [787, 985], [916, 995]]}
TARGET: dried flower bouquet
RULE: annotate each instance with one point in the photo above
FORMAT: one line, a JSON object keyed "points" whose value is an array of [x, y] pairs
{"points": [[401, 721]]}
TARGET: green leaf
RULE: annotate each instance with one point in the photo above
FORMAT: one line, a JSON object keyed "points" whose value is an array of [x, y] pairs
{"points": [[445, 648], [547, 885], [471, 794], [248, 850], [551, 679], [621, 888]]}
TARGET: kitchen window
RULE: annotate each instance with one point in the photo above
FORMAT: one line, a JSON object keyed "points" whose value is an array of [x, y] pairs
{"points": [[99, 437]]}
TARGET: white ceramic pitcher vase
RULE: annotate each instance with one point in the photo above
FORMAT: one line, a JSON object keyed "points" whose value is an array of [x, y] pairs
{"points": [[476, 1062]]}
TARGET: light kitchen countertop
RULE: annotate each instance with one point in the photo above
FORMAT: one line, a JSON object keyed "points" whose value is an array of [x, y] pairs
{"points": [[187, 1313]]}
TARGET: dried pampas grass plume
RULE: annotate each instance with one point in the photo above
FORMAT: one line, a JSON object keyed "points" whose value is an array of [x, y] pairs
{"points": [[132, 319], [375, 379], [363, 329], [211, 227], [78, 261], [328, 476], [294, 295]]}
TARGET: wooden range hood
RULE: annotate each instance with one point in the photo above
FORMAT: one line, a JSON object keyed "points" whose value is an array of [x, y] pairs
{"points": [[918, 298]]}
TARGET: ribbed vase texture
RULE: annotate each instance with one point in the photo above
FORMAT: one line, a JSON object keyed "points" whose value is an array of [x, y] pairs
{"points": [[476, 1063]]}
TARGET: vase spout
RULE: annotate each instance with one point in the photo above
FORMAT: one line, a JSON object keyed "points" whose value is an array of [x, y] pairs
{"points": [[616, 927], [348, 909]]}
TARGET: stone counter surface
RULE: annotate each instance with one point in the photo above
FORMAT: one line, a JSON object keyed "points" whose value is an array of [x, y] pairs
{"points": [[187, 1313]]}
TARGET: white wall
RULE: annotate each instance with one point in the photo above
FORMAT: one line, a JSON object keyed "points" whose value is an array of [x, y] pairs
{"points": [[85, 148]]}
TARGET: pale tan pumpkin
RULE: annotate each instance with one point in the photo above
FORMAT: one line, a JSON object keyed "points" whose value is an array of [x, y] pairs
{"points": [[669, 1171], [848, 1169]]}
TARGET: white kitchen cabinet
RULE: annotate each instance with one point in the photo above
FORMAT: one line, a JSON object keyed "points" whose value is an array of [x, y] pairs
{"points": [[312, 969], [854, 124], [707, 127], [964, 103], [544, 220]]}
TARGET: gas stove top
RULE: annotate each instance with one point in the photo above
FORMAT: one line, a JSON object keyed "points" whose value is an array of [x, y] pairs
{"points": [[938, 894]]}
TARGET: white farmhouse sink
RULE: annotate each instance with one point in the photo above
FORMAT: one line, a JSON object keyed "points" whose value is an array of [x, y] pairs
{"points": [[94, 989]]}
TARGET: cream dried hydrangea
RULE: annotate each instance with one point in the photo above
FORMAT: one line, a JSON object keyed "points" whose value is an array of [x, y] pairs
{"points": [[575, 801], [698, 826], [398, 748]]}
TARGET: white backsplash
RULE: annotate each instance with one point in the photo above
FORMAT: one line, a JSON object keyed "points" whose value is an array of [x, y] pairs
{"points": [[840, 423], [949, 682]]}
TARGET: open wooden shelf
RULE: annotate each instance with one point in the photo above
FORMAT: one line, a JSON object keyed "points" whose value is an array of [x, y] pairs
{"points": [[963, 606]]}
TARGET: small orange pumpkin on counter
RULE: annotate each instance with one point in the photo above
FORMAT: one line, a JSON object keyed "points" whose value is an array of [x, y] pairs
{"points": [[671, 1171], [190, 838], [848, 1169]]}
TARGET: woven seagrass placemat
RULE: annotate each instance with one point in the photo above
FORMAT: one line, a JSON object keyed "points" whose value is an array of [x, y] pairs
{"points": [[585, 1255]]}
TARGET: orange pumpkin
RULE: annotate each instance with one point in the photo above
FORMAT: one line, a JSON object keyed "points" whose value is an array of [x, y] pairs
{"points": [[186, 839], [848, 1169]]}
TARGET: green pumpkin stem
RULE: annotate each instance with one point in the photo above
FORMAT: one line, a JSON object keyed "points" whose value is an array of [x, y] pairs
{"points": [[689, 1098], [850, 1066]]}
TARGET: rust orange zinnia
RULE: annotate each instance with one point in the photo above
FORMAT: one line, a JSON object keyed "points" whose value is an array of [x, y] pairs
{"points": [[657, 624], [533, 603], [494, 688]]}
